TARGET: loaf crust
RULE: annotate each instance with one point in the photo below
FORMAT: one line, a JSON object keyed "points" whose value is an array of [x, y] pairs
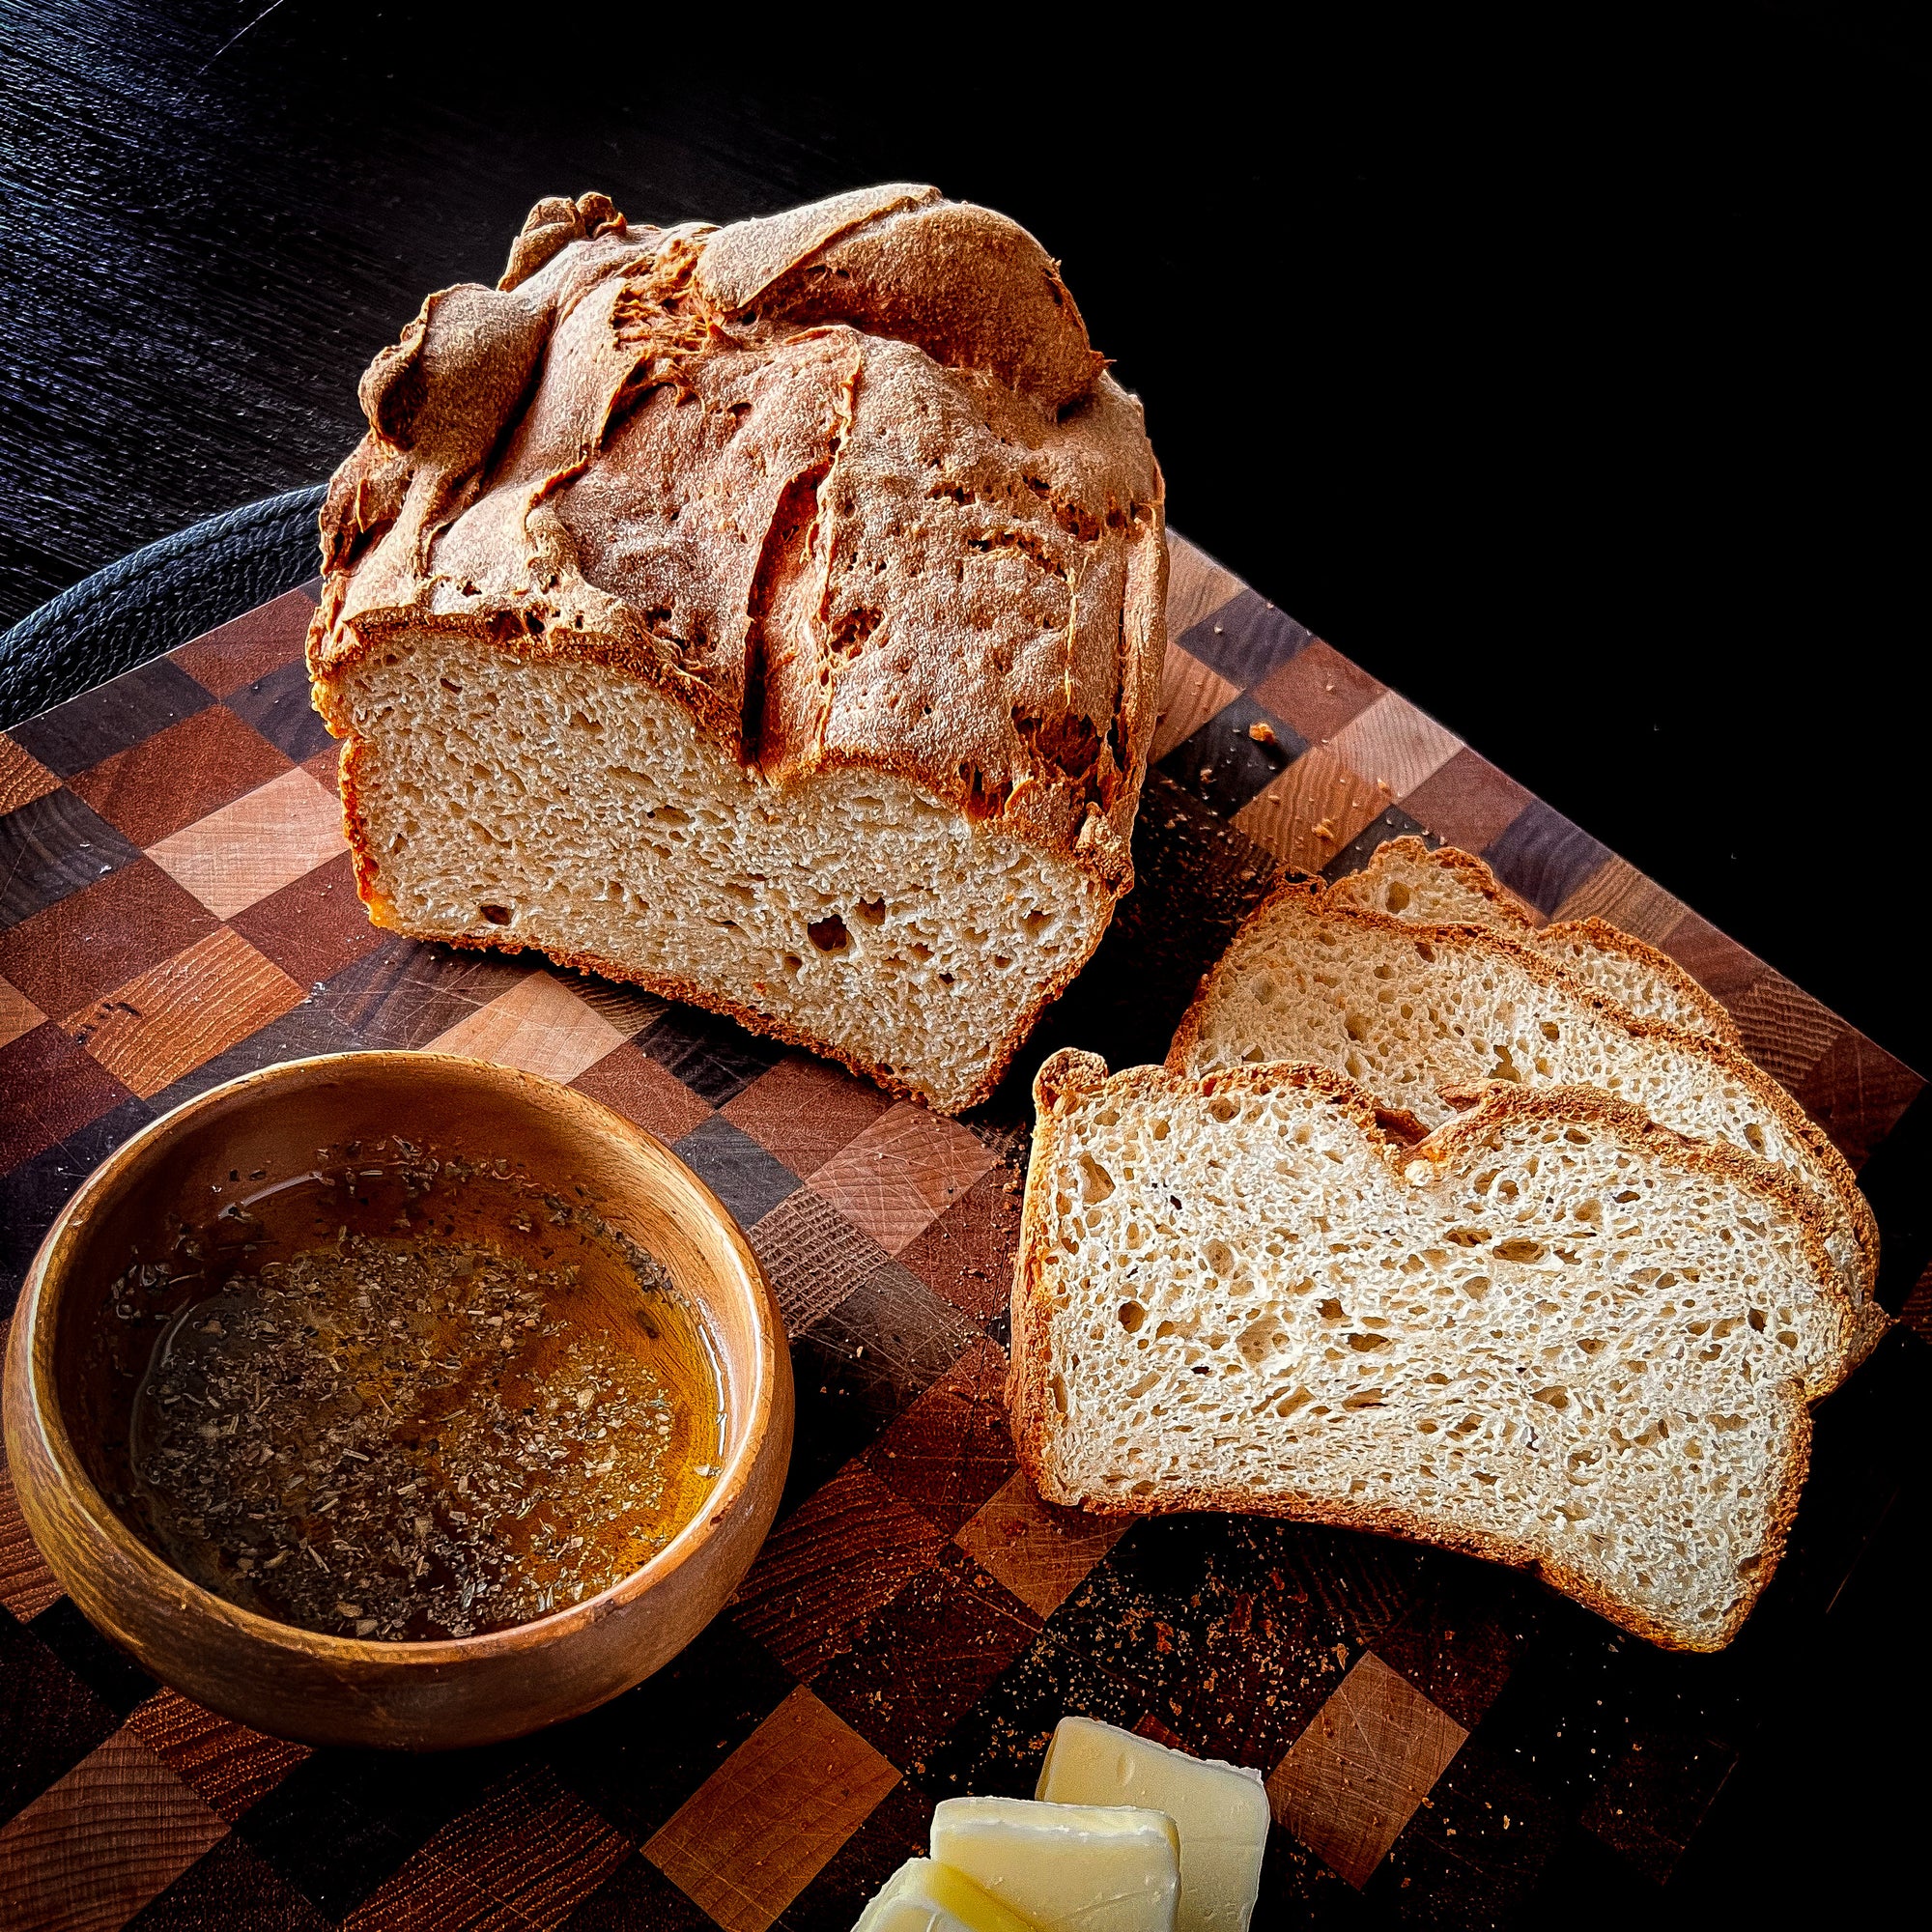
{"points": [[751, 467], [1071, 1075]]}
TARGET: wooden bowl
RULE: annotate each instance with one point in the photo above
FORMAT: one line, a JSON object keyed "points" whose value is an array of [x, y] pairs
{"points": [[72, 1371]]}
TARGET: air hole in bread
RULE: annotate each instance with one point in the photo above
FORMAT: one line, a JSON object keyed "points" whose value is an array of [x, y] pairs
{"points": [[497, 915], [1132, 1315], [828, 934], [872, 910], [1519, 1248]]}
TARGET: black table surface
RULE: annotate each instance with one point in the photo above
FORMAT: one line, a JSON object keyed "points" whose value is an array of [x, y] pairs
{"points": [[1563, 377]]}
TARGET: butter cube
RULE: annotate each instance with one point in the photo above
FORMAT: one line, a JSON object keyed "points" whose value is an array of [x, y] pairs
{"points": [[1220, 1810], [1065, 1867], [922, 1896]]}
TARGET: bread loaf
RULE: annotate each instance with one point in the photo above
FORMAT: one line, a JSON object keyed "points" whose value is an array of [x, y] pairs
{"points": [[771, 615], [1446, 887], [1552, 1333], [1421, 1016]]}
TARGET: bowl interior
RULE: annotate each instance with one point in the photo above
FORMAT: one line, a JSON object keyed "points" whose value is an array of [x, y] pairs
{"points": [[435, 1149]]}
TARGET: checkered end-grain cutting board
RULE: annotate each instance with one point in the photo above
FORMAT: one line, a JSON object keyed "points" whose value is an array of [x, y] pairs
{"points": [[1443, 1741]]}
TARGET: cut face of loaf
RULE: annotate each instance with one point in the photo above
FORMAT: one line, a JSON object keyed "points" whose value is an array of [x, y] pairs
{"points": [[566, 808], [1416, 1013], [1552, 1334], [1446, 887]]}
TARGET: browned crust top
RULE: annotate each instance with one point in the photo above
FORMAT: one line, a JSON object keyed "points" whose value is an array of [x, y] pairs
{"points": [[849, 482]]}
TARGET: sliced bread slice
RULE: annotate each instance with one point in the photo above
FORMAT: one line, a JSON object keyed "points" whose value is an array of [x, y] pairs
{"points": [[1553, 1333], [1447, 887], [1421, 1013]]}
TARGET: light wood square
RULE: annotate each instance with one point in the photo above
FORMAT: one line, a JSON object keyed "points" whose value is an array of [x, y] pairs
{"points": [[118, 1828], [1190, 693], [264, 841], [1197, 586], [22, 777], [1040, 1553], [901, 1174], [1354, 1776], [770, 1818], [1312, 809], [181, 1013], [19, 1014], [1395, 745], [539, 1026]]}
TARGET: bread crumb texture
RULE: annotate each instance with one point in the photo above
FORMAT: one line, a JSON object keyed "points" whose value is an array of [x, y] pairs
{"points": [[1422, 1014], [1405, 879], [1549, 1333], [772, 614]]}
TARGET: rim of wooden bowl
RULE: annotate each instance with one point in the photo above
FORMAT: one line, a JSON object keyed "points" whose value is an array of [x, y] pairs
{"points": [[48, 1276]]}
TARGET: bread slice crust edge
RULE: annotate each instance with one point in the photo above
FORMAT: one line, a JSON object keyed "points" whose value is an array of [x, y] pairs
{"points": [[1512, 916], [1070, 1076], [1834, 1167]]}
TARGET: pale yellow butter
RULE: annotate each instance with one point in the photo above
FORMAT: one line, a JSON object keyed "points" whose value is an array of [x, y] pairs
{"points": [[1065, 1867], [922, 1896], [1220, 1810]]}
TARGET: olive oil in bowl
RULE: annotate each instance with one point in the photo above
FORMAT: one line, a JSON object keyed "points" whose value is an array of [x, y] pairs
{"points": [[403, 1397]]}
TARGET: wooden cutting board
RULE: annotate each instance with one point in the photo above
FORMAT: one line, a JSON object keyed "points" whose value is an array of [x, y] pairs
{"points": [[1445, 1740]]}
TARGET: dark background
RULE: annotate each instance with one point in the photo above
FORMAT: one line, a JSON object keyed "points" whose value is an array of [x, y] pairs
{"points": [[1565, 370]]}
